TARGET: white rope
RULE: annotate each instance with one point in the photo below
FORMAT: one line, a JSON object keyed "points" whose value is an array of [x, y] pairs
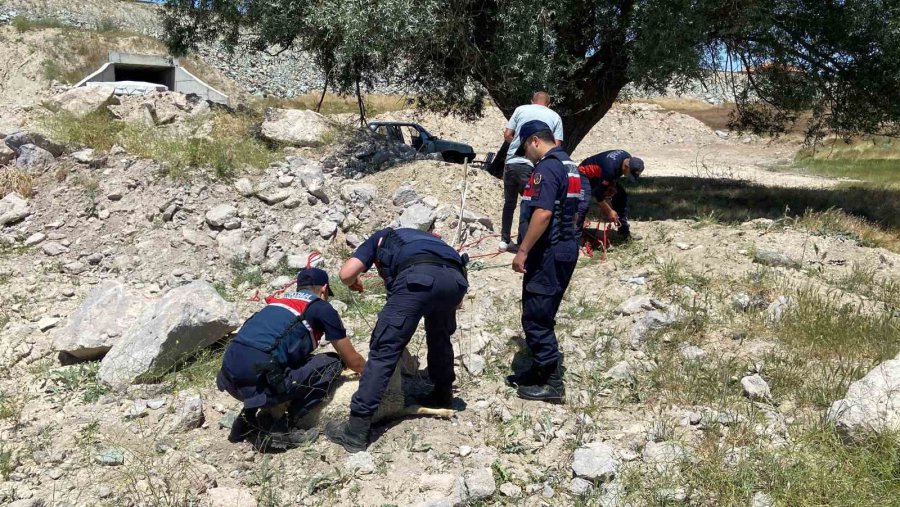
{"points": [[462, 203]]}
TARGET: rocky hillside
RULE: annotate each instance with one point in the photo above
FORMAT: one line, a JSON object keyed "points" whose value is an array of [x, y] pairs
{"points": [[711, 362]]}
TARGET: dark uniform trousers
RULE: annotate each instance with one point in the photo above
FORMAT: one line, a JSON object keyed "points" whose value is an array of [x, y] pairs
{"points": [[304, 386], [515, 178], [543, 287], [422, 290], [619, 203]]}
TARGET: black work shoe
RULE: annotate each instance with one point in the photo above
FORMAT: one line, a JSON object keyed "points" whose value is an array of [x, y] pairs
{"points": [[244, 425], [551, 390], [353, 434], [528, 377], [437, 398]]}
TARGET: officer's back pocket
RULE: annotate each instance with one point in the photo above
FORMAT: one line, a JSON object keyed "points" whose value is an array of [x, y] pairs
{"points": [[419, 281]]}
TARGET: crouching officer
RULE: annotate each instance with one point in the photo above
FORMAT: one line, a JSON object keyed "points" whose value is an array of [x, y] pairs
{"points": [[271, 362], [424, 277], [548, 251], [601, 177]]}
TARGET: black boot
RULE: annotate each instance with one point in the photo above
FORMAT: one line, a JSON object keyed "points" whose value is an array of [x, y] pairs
{"points": [[439, 397], [551, 390], [352, 434], [244, 425], [528, 377], [278, 436]]}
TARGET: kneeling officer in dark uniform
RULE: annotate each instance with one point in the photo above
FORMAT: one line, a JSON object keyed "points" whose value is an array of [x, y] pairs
{"points": [[424, 277], [271, 362], [547, 255]]}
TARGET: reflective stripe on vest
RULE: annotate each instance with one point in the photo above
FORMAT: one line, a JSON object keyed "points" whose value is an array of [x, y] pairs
{"points": [[297, 303]]}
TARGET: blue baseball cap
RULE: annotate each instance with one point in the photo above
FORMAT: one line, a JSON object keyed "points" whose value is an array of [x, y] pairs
{"points": [[313, 276], [529, 129], [636, 168]]}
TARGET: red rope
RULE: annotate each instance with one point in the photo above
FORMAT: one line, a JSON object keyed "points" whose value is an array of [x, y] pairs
{"points": [[315, 255], [592, 241]]}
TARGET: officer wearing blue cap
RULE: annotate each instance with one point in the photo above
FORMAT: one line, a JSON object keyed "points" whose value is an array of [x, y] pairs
{"points": [[547, 254], [271, 362], [424, 277], [601, 177]]}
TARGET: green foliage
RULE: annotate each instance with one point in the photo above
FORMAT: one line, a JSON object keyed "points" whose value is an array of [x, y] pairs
{"points": [[245, 273], [24, 24], [229, 149], [81, 378], [838, 61]]}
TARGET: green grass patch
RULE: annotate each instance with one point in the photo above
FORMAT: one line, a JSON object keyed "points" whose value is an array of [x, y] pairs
{"points": [[80, 378], [199, 371], [245, 273], [827, 329], [24, 24], [878, 171], [229, 150]]}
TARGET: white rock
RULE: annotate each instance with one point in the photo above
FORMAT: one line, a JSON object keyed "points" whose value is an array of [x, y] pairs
{"points": [[83, 100], [259, 247], [46, 323], [761, 499], [691, 352], [634, 304], [474, 363], [579, 486], [475, 485], [417, 216], [231, 245], [622, 371], [595, 461], [666, 457], [273, 195], [327, 229], [511, 490], [13, 208], [776, 310], [360, 463], [294, 126], [52, 249], [188, 411], [183, 321], [195, 237], [35, 238], [872, 403], [465, 450], [755, 387], [75, 268], [244, 187], [90, 158], [741, 301], [7, 154], [219, 214]]}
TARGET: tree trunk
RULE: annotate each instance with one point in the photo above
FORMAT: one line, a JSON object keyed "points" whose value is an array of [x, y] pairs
{"points": [[362, 105], [322, 98]]}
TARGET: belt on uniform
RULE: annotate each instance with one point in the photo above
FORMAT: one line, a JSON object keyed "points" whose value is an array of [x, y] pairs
{"points": [[433, 260]]}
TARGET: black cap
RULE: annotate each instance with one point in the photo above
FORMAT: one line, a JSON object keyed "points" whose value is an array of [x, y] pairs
{"points": [[636, 166], [529, 129], [313, 276]]}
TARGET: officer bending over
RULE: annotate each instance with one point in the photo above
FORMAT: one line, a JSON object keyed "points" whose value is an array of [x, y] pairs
{"points": [[601, 177], [424, 277], [547, 255], [271, 362]]}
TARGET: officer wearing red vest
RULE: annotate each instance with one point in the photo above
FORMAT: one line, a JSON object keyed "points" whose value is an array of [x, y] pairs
{"points": [[424, 277], [601, 177], [271, 362], [548, 251]]}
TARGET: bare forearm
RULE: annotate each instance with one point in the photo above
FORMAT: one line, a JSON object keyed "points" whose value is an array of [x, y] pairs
{"points": [[351, 270], [508, 135]]}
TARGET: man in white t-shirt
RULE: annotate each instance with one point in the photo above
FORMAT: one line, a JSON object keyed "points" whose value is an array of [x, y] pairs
{"points": [[518, 169]]}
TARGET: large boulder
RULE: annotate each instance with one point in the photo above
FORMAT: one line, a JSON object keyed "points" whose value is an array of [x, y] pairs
{"points": [[83, 100], [184, 321], [872, 403], [417, 216], [19, 139], [13, 208], [34, 157], [98, 324], [7, 154], [230, 245], [300, 127]]}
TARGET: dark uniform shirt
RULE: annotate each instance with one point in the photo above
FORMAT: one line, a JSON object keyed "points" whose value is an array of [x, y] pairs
{"points": [[605, 166], [391, 256], [555, 187], [273, 320]]}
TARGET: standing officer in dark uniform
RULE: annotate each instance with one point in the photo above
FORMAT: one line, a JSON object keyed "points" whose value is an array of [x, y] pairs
{"points": [[601, 177], [547, 255], [271, 362], [424, 277]]}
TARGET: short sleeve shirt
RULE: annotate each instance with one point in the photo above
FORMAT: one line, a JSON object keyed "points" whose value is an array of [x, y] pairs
{"points": [[605, 166], [324, 318], [525, 114], [367, 252]]}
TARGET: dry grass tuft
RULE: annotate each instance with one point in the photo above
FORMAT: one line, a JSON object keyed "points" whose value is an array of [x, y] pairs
{"points": [[14, 179]]}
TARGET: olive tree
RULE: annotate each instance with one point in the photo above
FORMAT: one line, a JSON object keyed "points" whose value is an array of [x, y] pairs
{"points": [[832, 63]]}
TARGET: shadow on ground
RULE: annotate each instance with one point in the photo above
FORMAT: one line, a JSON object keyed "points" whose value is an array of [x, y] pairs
{"points": [[672, 197]]}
